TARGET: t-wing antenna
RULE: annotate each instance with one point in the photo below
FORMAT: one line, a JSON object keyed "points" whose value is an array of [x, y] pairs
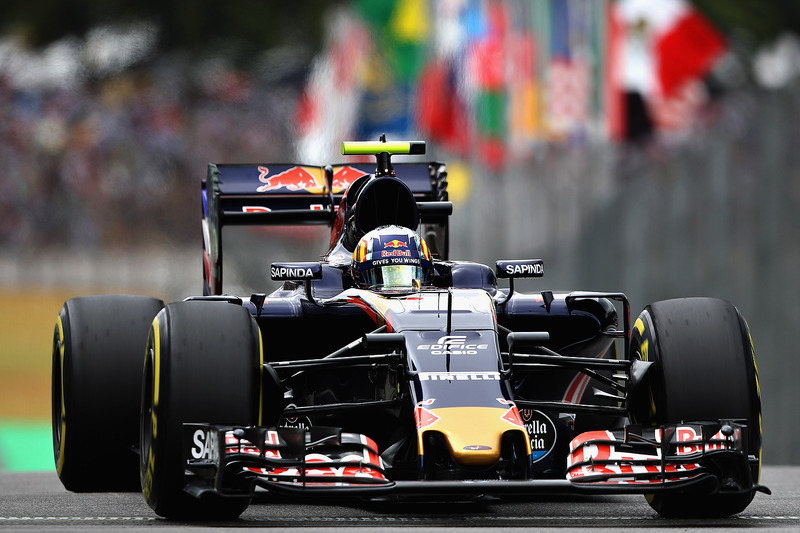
{"points": [[383, 151]]}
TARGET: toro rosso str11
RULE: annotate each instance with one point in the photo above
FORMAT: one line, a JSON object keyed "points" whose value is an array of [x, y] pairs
{"points": [[386, 370]]}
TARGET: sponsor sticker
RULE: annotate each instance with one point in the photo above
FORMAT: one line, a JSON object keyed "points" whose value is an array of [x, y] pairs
{"points": [[542, 432], [295, 271], [453, 345], [526, 268], [296, 422], [459, 376], [396, 253], [293, 179], [205, 446], [423, 416]]}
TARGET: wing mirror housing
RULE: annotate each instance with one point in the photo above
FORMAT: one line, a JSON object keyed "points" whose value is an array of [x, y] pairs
{"points": [[304, 271], [518, 268]]}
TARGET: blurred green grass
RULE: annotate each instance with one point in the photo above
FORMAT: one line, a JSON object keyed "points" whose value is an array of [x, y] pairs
{"points": [[26, 446]]}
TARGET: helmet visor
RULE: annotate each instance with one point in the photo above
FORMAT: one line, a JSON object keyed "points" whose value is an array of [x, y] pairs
{"points": [[393, 276]]}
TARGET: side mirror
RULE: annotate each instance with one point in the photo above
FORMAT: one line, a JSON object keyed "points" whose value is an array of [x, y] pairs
{"points": [[521, 268], [303, 271], [296, 271]]}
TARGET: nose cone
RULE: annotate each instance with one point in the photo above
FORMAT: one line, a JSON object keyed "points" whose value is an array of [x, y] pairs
{"points": [[474, 434]]}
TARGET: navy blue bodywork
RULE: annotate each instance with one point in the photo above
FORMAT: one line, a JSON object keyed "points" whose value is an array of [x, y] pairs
{"points": [[307, 320]]}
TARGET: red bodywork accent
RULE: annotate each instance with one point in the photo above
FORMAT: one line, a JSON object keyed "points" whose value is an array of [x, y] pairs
{"points": [[598, 457], [358, 465], [423, 416]]}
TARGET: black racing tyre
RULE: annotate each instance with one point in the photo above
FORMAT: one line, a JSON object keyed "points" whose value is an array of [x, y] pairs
{"points": [[704, 368], [98, 347], [203, 364]]}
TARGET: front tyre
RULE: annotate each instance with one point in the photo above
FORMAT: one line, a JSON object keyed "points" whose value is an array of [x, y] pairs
{"points": [[203, 364], [98, 345], [703, 368]]}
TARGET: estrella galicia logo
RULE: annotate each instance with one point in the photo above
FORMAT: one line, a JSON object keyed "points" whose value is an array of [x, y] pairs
{"points": [[298, 422], [541, 431]]}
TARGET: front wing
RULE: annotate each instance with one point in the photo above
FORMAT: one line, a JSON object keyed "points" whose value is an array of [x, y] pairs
{"points": [[706, 457], [702, 458]]}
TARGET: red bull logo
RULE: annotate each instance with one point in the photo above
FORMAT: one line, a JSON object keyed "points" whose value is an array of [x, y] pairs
{"points": [[291, 180], [396, 244], [343, 177]]}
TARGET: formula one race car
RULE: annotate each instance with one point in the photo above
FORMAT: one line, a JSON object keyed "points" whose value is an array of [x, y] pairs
{"points": [[387, 371]]}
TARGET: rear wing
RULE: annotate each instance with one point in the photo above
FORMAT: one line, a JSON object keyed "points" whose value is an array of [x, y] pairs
{"points": [[300, 194], [294, 194]]}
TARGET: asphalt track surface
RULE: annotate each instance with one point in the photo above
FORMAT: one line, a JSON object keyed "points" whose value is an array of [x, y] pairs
{"points": [[37, 501]]}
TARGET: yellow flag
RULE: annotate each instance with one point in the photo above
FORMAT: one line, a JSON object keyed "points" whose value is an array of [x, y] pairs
{"points": [[410, 21]]}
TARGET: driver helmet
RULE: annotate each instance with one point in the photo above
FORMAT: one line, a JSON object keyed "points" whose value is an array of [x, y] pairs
{"points": [[391, 258]]}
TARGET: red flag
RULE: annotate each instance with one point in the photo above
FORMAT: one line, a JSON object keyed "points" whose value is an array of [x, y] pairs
{"points": [[669, 48], [686, 50], [684, 44], [614, 96], [440, 112]]}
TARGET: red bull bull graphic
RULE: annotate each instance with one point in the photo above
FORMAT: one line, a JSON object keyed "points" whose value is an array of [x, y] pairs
{"points": [[344, 176], [396, 244], [308, 179], [294, 179]]}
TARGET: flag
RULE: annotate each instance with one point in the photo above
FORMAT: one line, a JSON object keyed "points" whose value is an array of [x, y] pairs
{"points": [[677, 48], [686, 48], [614, 91], [327, 110], [440, 112], [684, 44], [524, 92], [569, 95], [569, 73], [487, 26]]}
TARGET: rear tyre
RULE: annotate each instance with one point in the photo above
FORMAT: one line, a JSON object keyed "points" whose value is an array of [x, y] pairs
{"points": [[98, 346], [703, 368], [203, 364]]}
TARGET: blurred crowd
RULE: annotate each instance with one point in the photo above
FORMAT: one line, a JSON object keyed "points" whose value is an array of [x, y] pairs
{"points": [[117, 161], [108, 149]]}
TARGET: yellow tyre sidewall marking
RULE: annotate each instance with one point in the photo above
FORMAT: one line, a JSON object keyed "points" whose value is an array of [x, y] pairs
{"points": [[148, 480], [645, 347], [758, 392], [156, 370], [61, 352]]}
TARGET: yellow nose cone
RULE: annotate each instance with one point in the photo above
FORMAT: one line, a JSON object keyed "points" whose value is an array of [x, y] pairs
{"points": [[475, 433]]}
